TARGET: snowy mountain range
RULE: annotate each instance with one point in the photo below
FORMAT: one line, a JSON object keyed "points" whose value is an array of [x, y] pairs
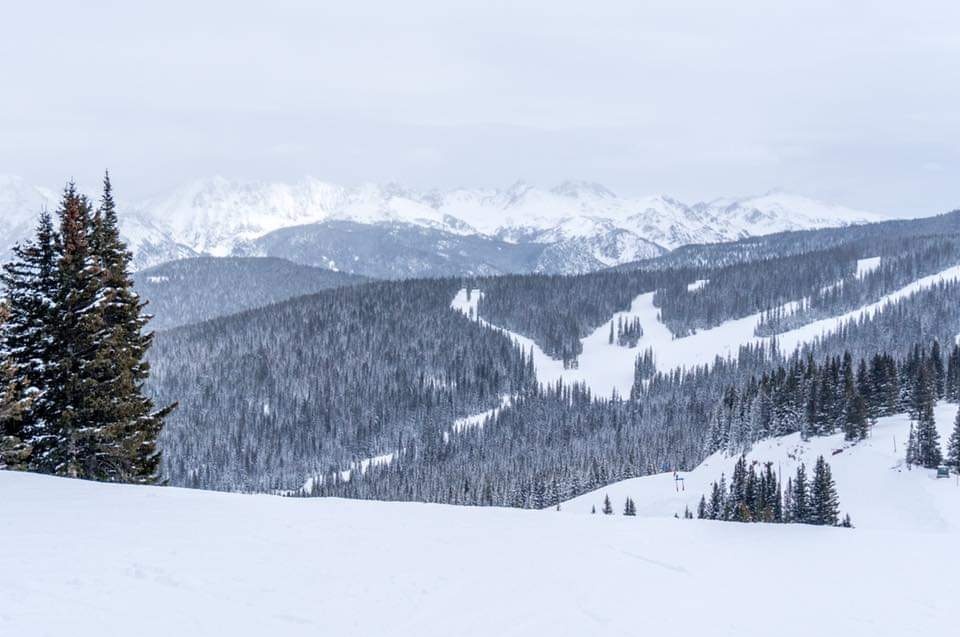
{"points": [[573, 227]]}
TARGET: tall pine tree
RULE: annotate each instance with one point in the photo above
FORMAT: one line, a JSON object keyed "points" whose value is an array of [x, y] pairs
{"points": [[953, 446], [927, 448], [824, 503], [31, 283], [800, 497], [77, 338], [129, 426]]}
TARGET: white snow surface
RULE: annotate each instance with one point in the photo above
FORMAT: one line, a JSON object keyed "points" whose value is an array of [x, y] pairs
{"points": [[90, 559], [875, 486], [478, 420], [866, 266]]}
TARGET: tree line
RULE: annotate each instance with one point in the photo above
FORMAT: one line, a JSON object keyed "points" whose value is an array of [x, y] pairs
{"points": [[899, 266], [817, 282], [823, 397], [755, 494]]}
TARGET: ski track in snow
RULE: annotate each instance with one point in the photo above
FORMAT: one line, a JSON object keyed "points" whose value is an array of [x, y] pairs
{"points": [[606, 368]]}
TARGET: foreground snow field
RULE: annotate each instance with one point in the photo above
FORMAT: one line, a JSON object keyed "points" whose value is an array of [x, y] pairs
{"points": [[95, 559]]}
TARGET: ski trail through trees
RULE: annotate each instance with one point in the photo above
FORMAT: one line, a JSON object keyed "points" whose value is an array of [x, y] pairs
{"points": [[607, 368]]}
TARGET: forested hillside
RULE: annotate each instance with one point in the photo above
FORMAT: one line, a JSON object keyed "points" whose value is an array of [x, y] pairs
{"points": [[271, 396], [784, 244], [557, 443], [791, 290], [396, 250], [300, 392], [194, 290]]}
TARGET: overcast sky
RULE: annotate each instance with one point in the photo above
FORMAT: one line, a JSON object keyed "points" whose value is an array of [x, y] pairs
{"points": [[852, 102]]}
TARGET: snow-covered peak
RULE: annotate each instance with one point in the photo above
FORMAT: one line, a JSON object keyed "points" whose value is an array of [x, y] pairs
{"points": [[780, 210], [221, 216], [215, 216]]}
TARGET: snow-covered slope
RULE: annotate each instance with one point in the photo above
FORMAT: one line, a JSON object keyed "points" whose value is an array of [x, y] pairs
{"points": [[875, 486], [606, 367], [86, 559], [586, 225]]}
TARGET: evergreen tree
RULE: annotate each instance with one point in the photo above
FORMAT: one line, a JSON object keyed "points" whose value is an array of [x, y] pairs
{"points": [[801, 497], [856, 424], [911, 454], [788, 501], [952, 388], [726, 501], [824, 503], [739, 502], [77, 340], [126, 445], [717, 504], [866, 391], [607, 506], [920, 389], [14, 452], [927, 448], [939, 373], [629, 508], [30, 283], [953, 446]]}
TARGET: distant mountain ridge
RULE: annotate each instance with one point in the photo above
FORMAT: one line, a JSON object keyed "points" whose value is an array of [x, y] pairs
{"points": [[579, 226]]}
